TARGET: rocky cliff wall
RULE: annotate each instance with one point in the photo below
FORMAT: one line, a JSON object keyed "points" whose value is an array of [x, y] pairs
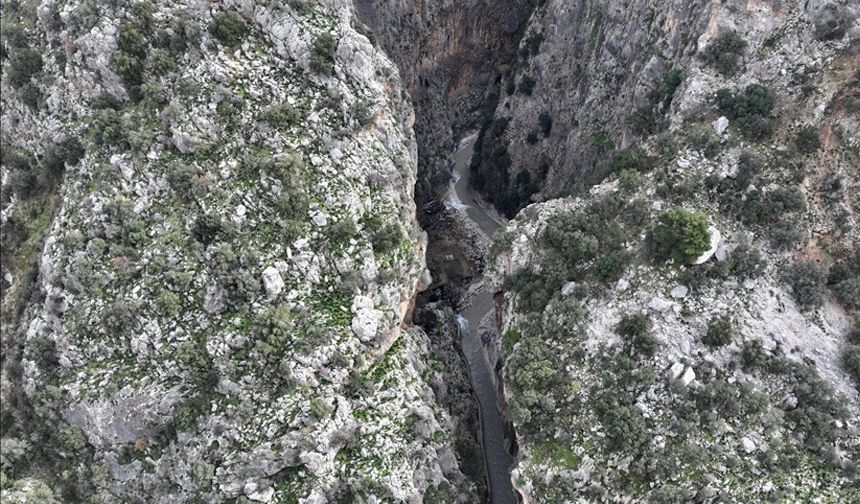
{"points": [[451, 55], [588, 76], [226, 246]]}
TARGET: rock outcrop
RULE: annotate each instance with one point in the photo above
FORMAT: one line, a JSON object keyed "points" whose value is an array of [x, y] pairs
{"points": [[227, 262]]}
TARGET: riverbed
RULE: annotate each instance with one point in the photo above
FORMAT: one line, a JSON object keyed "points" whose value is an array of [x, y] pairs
{"points": [[497, 460]]}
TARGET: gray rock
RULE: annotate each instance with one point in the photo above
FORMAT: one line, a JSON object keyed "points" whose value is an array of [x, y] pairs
{"points": [[568, 289], [715, 241], [679, 291], [720, 125], [215, 299], [272, 281], [659, 304]]}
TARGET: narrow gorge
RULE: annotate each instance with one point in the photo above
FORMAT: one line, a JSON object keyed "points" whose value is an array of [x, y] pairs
{"points": [[429, 251]]}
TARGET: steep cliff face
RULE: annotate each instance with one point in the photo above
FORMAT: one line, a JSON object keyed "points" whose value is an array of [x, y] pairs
{"points": [[686, 330], [592, 78], [219, 202], [450, 55]]}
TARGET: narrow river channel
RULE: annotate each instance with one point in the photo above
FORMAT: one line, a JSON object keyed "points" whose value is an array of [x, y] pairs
{"points": [[496, 457]]}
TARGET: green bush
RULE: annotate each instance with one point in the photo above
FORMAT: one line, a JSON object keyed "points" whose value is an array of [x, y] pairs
{"points": [[629, 180], [341, 232], [807, 140], [545, 123], [632, 158], [808, 283], [68, 151], [120, 318], [106, 128], [679, 235], [725, 52], [844, 280], [322, 54], [634, 329], [181, 178], [851, 361], [210, 227], [229, 28], [766, 209], [625, 428], [532, 291], [23, 66], [705, 140], [499, 126], [719, 333], [647, 119], [531, 45], [751, 110], [384, 236], [745, 262], [532, 138], [527, 85], [131, 41], [832, 29], [752, 354], [785, 235]]}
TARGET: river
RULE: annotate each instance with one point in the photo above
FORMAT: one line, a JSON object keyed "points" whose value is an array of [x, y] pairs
{"points": [[497, 460]]}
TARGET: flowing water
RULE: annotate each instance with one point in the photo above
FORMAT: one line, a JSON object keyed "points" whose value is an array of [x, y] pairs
{"points": [[496, 457]]}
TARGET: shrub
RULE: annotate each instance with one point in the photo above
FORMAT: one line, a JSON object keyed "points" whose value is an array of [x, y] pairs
{"points": [[705, 140], [807, 140], [169, 303], [725, 52], [341, 232], [281, 116], [625, 428], [851, 362], [545, 123], [527, 85], [750, 109], [844, 280], [106, 128], [786, 235], [745, 262], [634, 329], [23, 66], [808, 283], [181, 178], [752, 354], [532, 138], [322, 54], [762, 209], [120, 318], [719, 333], [131, 41], [499, 126], [69, 150], [209, 227], [532, 291], [832, 29], [629, 180], [679, 235], [229, 28], [531, 45], [632, 158]]}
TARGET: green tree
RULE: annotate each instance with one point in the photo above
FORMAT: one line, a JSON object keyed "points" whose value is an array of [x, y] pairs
{"points": [[679, 235], [719, 333], [229, 28]]}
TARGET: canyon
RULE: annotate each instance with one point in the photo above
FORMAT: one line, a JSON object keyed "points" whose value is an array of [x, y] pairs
{"points": [[429, 251]]}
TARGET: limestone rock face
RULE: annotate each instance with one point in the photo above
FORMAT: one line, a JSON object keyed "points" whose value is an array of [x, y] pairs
{"points": [[218, 316], [589, 67], [450, 55]]}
